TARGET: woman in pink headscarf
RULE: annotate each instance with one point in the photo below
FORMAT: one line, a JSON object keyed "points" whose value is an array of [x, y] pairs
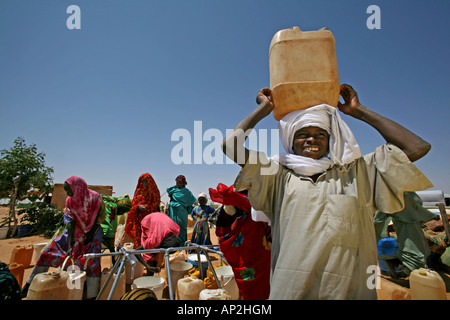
{"points": [[158, 231], [83, 234], [82, 208]]}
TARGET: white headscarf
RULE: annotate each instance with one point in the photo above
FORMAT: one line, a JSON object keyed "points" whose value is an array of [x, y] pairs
{"points": [[343, 148], [202, 194]]}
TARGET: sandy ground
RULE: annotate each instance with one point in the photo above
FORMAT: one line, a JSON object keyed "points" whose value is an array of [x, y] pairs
{"points": [[391, 289]]}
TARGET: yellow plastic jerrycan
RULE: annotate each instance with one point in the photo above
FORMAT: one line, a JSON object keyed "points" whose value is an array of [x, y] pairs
{"points": [[426, 284], [214, 294], [49, 286], [22, 255], [120, 287], [57, 285], [189, 288], [17, 271], [303, 70]]}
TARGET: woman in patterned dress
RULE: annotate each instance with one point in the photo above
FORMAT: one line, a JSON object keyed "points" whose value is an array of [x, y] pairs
{"points": [[83, 215]]}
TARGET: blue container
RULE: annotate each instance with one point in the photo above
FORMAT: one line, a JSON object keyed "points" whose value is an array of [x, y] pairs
{"points": [[387, 249], [194, 261], [23, 230]]}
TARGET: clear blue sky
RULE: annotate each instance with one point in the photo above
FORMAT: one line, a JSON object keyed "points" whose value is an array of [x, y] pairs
{"points": [[103, 101]]}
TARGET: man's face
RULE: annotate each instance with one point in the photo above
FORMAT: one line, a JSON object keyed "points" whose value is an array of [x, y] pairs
{"points": [[311, 142]]}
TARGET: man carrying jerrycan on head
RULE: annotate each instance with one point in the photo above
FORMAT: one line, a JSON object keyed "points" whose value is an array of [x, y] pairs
{"points": [[320, 196]]}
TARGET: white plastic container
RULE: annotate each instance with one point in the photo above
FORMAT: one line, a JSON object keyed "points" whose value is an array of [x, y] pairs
{"points": [[37, 249], [154, 283], [178, 270], [214, 294], [228, 281], [3, 232], [426, 284], [303, 70], [189, 288]]}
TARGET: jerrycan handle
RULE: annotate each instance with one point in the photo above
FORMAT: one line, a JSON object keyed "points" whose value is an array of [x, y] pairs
{"points": [[65, 261]]}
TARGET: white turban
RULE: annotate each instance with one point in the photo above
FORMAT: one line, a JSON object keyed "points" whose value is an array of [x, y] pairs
{"points": [[342, 146], [202, 194]]}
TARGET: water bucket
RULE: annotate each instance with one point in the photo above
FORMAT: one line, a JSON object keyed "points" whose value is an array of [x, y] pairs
{"points": [[426, 284], [177, 271], [227, 281], [303, 70], [3, 232], [189, 288], [156, 284], [214, 294], [177, 256], [120, 287], [37, 249], [22, 255], [193, 258]]}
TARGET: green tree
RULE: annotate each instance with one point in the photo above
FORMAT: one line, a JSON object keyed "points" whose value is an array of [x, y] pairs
{"points": [[22, 169], [43, 218]]}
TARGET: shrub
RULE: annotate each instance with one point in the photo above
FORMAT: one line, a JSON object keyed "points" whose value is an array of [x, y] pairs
{"points": [[43, 217]]}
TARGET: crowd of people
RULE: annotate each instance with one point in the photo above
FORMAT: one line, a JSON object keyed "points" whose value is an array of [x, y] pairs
{"points": [[91, 220], [302, 230]]}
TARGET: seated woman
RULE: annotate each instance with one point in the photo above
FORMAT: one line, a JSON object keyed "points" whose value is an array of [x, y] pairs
{"points": [[83, 215]]}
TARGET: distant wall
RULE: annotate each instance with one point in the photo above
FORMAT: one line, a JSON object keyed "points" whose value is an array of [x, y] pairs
{"points": [[59, 195]]}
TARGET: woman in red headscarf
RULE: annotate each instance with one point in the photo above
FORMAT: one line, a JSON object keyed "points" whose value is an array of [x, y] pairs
{"points": [[245, 243], [145, 201]]}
